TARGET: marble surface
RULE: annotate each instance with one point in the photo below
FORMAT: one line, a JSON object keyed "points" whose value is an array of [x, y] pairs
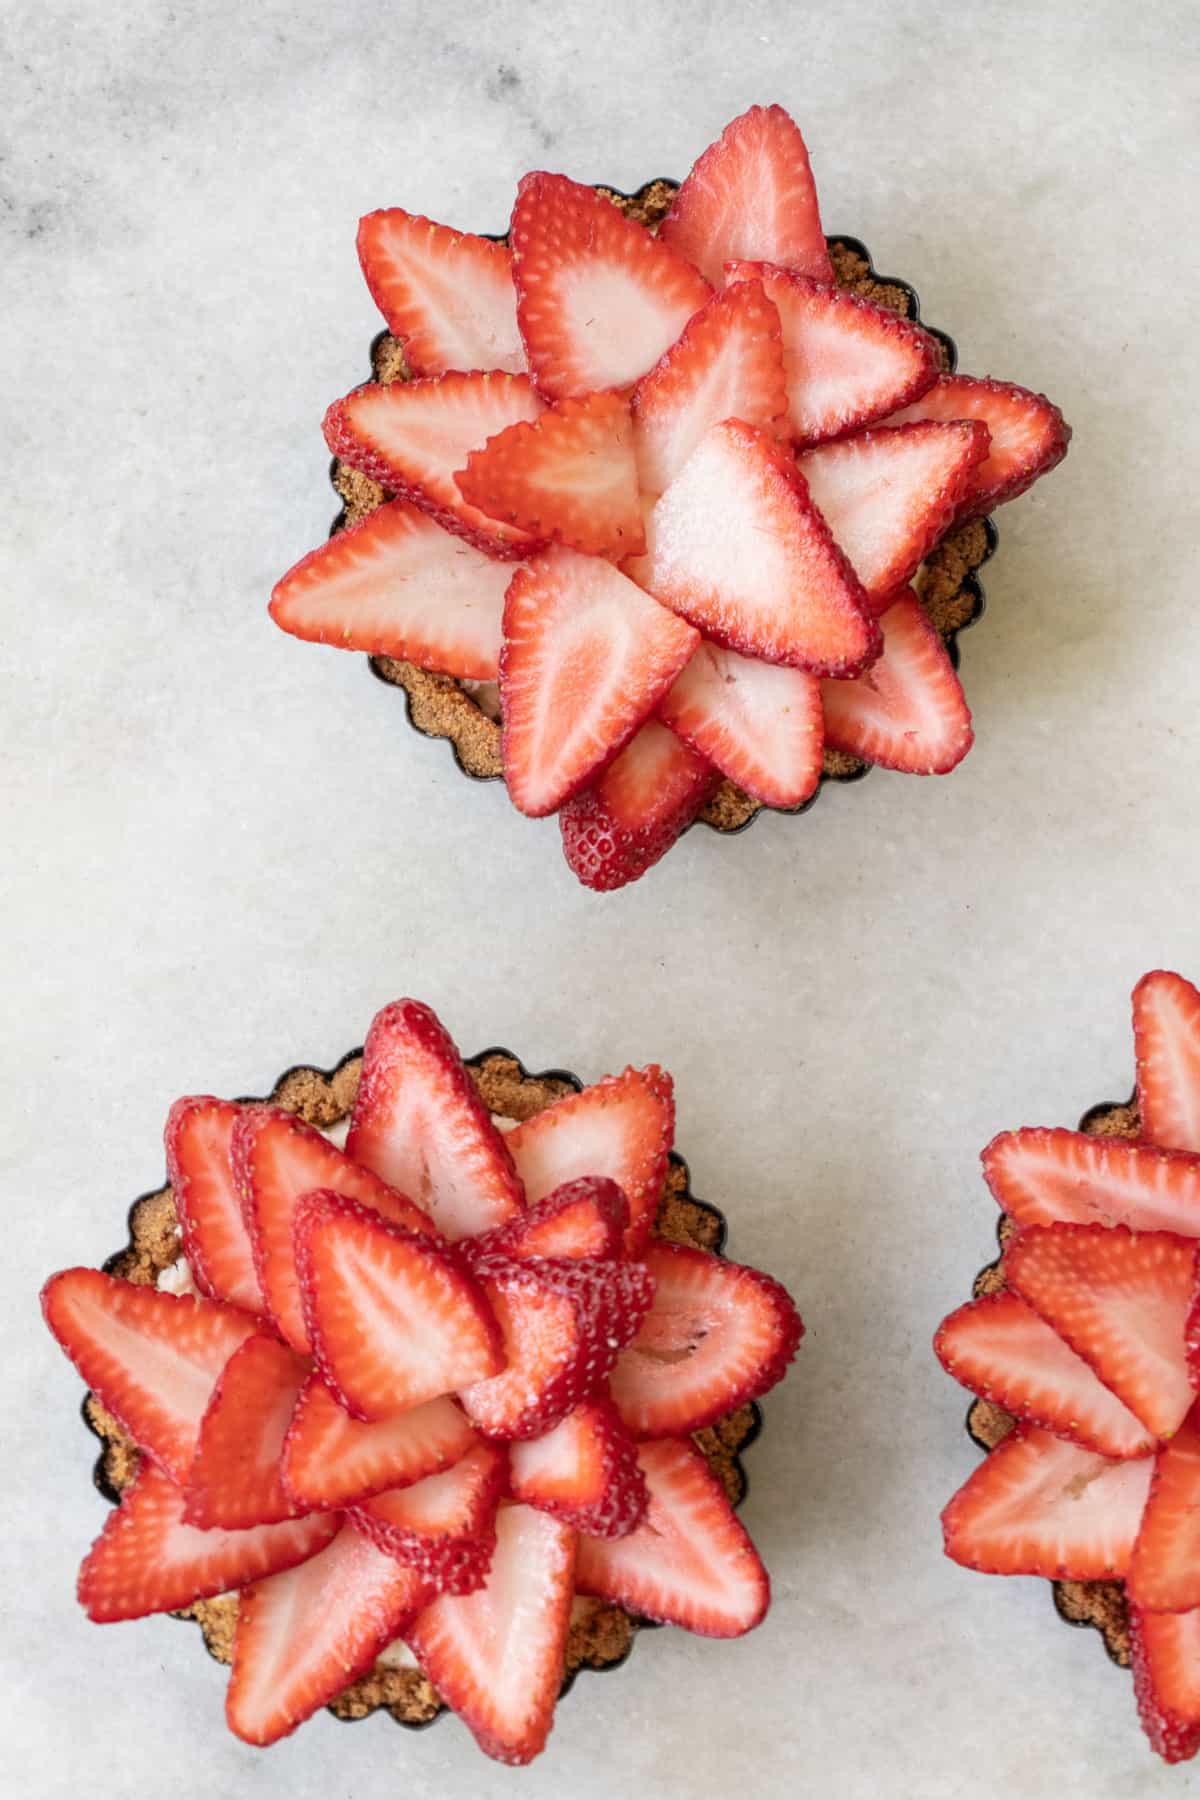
{"points": [[224, 850]]}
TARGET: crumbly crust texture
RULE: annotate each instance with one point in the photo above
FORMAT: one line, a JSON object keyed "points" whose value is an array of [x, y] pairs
{"points": [[605, 1634], [440, 707], [1097, 1603]]}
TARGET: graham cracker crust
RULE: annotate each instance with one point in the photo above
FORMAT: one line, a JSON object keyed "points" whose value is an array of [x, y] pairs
{"points": [[1100, 1604], [605, 1636], [947, 585]]}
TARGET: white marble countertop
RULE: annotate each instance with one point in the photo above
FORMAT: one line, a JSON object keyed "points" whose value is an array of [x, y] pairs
{"points": [[224, 850]]}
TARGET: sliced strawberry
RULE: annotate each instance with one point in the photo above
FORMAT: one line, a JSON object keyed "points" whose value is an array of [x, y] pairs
{"points": [[689, 1562], [908, 711], [622, 1127], [751, 197], [1028, 435], [447, 295], [585, 1217], [1043, 1176], [1000, 1348], [305, 1635], [1166, 1035], [587, 657], [419, 1123], [727, 365], [716, 1336], [1164, 1571], [497, 1656], [331, 1458], [571, 475], [215, 1240], [1165, 1650], [849, 363], [1120, 1299], [148, 1559], [394, 1318], [278, 1159], [564, 1321], [760, 723], [770, 582], [620, 826], [445, 1526], [1037, 1505], [397, 584], [152, 1359], [598, 298], [889, 494], [234, 1480], [412, 435], [585, 1471]]}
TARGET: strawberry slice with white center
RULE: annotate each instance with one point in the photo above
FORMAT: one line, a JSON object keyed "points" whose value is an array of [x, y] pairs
{"points": [[278, 1159], [397, 584], [1166, 1036], [419, 1123], [622, 1127], [1165, 1651], [331, 1458], [411, 436], [394, 1318], [564, 1322], [570, 475], [716, 1336], [727, 365], [1037, 1505], [445, 1526], [152, 1359], [848, 362], [497, 1656], [585, 1471], [770, 582], [447, 295], [234, 1480], [584, 1217], [598, 298], [908, 711], [148, 1559], [759, 723], [622, 824], [587, 657], [751, 196], [1028, 435], [690, 1562], [215, 1240], [1164, 1571], [999, 1348], [889, 494], [1044, 1176], [304, 1635], [1120, 1299]]}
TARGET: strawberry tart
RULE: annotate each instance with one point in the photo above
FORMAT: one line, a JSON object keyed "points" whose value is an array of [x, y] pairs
{"points": [[432, 1411], [1083, 1347], [636, 498]]}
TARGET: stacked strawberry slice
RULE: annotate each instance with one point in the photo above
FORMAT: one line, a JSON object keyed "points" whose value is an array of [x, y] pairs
{"points": [[430, 1387], [717, 472], [1093, 1345]]}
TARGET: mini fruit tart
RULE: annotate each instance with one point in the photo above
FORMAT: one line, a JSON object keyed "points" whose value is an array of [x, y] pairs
{"points": [[1083, 1347], [636, 498], [430, 1412]]}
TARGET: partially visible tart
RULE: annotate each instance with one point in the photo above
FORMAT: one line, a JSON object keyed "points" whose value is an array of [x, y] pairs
{"points": [[1081, 1343]]}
